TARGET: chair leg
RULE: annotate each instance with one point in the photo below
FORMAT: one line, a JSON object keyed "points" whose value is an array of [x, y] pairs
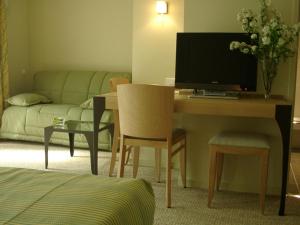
{"points": [[122, 158], [183, 163], [115, 144], [157, 163], [114, 152], [220, 160], [212, 175], [169, 176], [264, 178], [129, 149], [136, 157]]}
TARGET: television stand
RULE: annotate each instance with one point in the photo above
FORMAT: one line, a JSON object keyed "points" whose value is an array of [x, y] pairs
{"points": [[215, 94]]}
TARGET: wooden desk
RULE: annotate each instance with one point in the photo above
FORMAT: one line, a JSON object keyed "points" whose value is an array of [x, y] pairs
{"points": [[276, 109]]}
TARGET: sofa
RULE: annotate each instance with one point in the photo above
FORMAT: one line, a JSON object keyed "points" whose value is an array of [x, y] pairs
{"points": [[67, 90]]}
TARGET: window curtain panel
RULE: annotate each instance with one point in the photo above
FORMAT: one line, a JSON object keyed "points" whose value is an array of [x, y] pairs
{"points": [[4, 82]]}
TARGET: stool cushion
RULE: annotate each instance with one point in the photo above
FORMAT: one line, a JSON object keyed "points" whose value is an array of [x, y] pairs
{"points": [[240, 139]]}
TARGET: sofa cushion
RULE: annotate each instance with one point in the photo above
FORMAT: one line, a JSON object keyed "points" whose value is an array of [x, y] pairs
{"points": [[96, 84], [73, 87], [13, 120], [105, 87], [76, 87], [27, 99], [67, 90], [88, 104], [50, 84], [42, 115], [19, 122]]}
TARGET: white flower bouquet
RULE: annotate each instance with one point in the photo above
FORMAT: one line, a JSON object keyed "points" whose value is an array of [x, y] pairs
{"points": [[271, 40]]}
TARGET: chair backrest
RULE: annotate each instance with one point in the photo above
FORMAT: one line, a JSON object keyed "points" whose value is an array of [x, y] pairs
{"points": [[113, 82], [145, 111]]}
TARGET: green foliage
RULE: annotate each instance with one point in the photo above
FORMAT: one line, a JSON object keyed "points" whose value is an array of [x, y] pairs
{"points": [[271, 39]]}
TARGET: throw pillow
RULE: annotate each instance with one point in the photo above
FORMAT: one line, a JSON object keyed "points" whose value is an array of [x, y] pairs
{"points": [[88, 104], [27, 99]]}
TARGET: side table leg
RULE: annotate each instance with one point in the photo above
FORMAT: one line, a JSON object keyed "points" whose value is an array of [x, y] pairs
{"points": [[284, 119], [71, 141], [89, 139], [47, 136]]}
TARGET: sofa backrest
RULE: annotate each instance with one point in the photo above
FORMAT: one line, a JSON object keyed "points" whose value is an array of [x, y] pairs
{"points": [[73, 87]]}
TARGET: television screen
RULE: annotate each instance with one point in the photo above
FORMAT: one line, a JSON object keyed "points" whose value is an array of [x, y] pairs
{"points": [[205, 61]]}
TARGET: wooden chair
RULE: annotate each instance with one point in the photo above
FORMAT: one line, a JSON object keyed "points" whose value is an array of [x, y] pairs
{"points": [[145, 113], [237, 143], [113, 88]]}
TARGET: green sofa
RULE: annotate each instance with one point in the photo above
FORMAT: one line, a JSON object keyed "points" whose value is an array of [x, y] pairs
{"points": [[67, 90]]}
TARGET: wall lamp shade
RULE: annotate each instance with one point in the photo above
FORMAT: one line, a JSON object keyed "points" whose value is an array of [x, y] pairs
{"points": [[161, 7]]}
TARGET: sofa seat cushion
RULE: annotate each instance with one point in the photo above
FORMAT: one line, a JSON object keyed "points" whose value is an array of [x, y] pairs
{"points": [[13, 120], [37, 117], [42, 115]]}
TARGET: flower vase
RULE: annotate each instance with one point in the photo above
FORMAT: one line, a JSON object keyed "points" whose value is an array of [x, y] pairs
{"points": [[269, 72], [268, 87], [267, 96]]}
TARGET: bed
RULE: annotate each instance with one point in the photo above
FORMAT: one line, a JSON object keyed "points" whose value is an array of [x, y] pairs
{"points": [[41, 197]]}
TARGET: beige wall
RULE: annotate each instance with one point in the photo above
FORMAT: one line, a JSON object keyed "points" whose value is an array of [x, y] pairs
{"points": [[297, 95], [216, 15], [154, 41], [154, 59], [128, 35], [18, 45], [240, 173], [80, 34]]}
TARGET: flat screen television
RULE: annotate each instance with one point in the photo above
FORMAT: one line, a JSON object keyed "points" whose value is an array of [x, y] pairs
{"points": [[205, 61]]}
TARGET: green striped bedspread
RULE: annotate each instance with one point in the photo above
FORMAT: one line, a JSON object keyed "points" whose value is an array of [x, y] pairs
{"points": [[39, 197]]}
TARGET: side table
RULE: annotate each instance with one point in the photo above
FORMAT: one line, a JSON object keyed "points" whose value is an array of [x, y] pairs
{"points": [[73, 127]]}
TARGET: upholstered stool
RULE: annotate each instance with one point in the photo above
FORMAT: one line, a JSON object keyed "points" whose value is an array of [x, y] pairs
{"points": [[239, 143]]}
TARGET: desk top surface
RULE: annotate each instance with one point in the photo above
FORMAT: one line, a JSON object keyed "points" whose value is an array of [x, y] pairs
{"points": [[246, 106], [244, 99]]}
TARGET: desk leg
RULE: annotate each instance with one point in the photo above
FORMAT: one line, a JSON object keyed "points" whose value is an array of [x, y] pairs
{"points": [[47, 136], [99, 107], [71, 142], [284, 119]]}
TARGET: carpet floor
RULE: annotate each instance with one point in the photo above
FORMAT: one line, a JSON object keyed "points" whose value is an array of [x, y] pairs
{"points": [[189, 204]]}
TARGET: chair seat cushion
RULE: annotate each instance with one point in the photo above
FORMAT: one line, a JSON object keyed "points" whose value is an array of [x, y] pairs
{"points": [[240, 139]]}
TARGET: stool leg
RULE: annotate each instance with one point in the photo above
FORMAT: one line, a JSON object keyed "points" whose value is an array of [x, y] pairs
{"points": [[169, 176], [183, 163], [212, 174], [264, 178], [157, 163], [220, 159]]}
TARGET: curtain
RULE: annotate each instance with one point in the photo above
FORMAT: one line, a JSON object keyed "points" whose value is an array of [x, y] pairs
{"points": [[4, 82]]}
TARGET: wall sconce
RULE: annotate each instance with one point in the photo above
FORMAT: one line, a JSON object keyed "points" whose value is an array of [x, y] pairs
{"points": [[161, 7]]}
